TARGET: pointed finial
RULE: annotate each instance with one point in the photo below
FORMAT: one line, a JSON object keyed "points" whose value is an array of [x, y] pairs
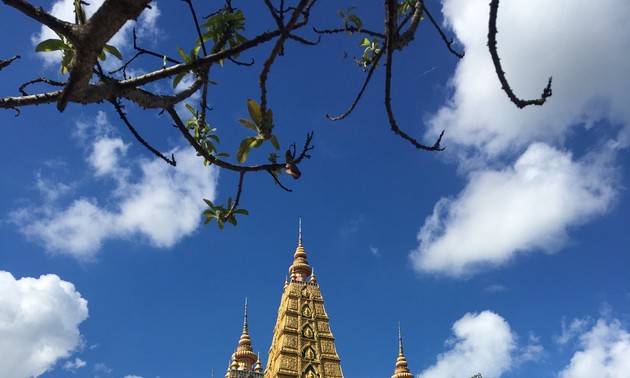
{"points": [[300, 232], [258, 368], [245, 317], [400, 344], [313, 279]]}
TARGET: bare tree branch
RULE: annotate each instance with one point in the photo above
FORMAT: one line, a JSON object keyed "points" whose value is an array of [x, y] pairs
{"points": [[390, 43], [492, 46], [119, 108], [5, 62], [360, 94], [43, 17], [449, 42]]}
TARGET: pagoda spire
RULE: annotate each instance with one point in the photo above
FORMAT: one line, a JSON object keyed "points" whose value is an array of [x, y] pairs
{"points": [[303, 344], [402, 370], [244, 357], [300, 270]]}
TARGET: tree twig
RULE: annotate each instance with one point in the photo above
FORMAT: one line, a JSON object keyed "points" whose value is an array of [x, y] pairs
{"points": [[5, 62], [492, 46], [119, 108]]}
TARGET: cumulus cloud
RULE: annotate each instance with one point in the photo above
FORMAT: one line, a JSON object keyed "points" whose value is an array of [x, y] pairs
{"points": [[39, 320], [525, 189], [605, 352], [528, 206], [537, 38], [159, 204], [481, 342], [64, 9]]}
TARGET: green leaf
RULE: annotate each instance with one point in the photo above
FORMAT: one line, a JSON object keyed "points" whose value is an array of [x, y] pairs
{"points": [[240, 39], [269, 120], [241, 211], [195, 52], [183, 54], [356, 21], [112, 50], [51, 45], [249, 124], [254, 111], [191, 110], [209, 203], [274, 141], [102, 56], [244, 148], [365, 42], [178, 78]]}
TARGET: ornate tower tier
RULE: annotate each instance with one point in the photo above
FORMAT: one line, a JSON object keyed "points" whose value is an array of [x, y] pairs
{"points": [[303, 345]]}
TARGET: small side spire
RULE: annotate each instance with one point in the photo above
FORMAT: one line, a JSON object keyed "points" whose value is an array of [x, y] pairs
{"points": [[258, 368], [244, 357], [402, 370], [313, 280]]}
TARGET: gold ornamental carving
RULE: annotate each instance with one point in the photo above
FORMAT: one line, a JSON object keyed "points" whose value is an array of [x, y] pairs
{"points": [[307, 332], [306, 311]]}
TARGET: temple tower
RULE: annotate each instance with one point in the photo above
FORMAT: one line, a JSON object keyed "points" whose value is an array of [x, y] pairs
{"points": [[402, 370], [303, 345], [245, 363]]}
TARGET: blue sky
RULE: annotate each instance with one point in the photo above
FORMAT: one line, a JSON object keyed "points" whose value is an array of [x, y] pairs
{"points": [[505, 254]]}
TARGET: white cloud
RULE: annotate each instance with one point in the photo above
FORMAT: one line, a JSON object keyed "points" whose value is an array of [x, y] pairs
{"points": [[160, 204], [64, 10], [481, 343], [495, 288], [536, 39], [576, 327], [605, 352], [50, 189], [105, 154], [132, 376], [374, 251], [74, 365], [522, 208], [39, 320]]}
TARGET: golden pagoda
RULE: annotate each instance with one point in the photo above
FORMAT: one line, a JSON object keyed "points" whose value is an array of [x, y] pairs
{"points": [[303, 345]]}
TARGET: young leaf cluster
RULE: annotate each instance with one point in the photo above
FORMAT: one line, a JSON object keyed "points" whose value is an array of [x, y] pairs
{"points": [[222, 213], [351, 20], [370, 54], [187, 59], [262, 125], [223, 29], [204, 134]]}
